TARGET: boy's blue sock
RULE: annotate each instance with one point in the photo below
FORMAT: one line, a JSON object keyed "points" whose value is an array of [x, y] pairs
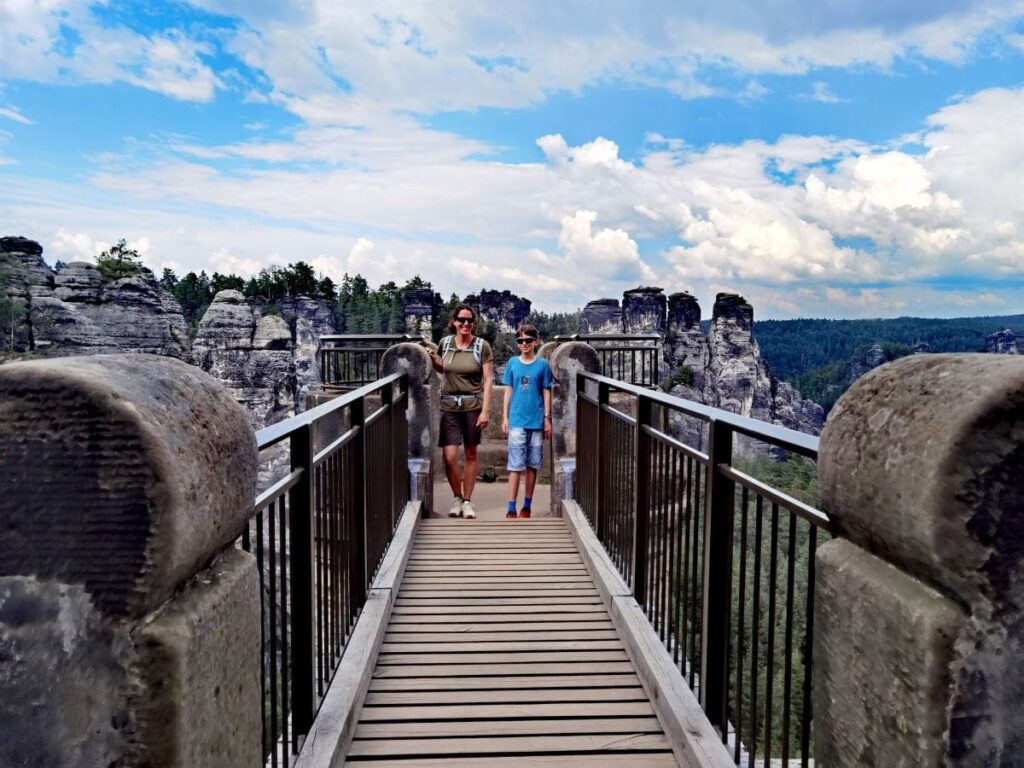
{"points": [[511, 506], [526, 502]]}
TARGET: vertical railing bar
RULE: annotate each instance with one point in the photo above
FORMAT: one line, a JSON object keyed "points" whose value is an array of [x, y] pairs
{"points": [[755, 633], [285, 658], [718, 524], [359, 541], [661, 539], [320, 564], [741, 621], [770, 674], [687, 607], [272, 555], [267, 738], [788, 656], [300, 505], [678, 572], [642, 497], [695, 569], [807, 714]]}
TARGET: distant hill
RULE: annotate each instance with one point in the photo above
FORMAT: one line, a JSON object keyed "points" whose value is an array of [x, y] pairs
{"points": [[817, 356]]}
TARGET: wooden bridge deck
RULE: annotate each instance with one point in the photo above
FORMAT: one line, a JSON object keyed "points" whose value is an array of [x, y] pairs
{"points": [[500, 652]]}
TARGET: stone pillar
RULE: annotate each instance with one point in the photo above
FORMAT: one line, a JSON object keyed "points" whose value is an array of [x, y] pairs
{"points": [[423, 413], [566, 361], [129, 622], [919, 629]]}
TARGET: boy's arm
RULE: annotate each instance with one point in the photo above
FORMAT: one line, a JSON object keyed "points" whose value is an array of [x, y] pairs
{"points": [[547, 412], [504, 409]]}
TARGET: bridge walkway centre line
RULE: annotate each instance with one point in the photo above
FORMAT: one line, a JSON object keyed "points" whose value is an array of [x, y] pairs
{"points": [[499, 652]]}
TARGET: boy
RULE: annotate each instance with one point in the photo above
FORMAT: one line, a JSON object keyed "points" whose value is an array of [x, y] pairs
{"points": [[527, 415]]}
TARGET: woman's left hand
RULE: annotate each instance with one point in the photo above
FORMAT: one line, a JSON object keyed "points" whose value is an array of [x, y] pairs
{"points": [[482, 420]]}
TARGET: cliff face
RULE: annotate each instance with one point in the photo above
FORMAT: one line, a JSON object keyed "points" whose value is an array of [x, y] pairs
{"points": [[78, 312], [418, 311], [723, 369], [602, 316], [1005, 342], [251, 356], [503, 308], [268, 362]]}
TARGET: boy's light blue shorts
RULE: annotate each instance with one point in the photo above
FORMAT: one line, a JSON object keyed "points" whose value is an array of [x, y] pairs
{"points": [[525, 448]]}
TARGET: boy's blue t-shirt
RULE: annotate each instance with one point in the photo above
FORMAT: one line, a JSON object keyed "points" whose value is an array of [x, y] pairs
{"points": [[528, 381]]}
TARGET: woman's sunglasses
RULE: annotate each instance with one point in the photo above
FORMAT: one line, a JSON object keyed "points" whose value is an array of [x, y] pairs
{"points": [[463, 320], [526, 340]]}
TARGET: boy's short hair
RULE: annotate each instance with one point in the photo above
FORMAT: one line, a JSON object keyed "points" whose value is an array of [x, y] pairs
{"points": [[528, 330]]}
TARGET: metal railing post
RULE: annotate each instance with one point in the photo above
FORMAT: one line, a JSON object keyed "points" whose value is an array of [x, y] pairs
{"points": [[642, 498], [357, 413], [300, 521], [718, 533], [602, 454], [387, 399]]}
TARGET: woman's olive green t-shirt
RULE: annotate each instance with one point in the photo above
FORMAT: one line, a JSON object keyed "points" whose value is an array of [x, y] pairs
{"points": [[463, 375]]}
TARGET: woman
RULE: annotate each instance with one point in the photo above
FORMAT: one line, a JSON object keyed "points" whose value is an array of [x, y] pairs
{"points": [[466, 361]]}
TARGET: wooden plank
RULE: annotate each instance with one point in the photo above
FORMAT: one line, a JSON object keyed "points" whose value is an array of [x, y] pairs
{"points": [[472, 628], [467, 601], [520, 635], [564, 682], [522, 695], [507, 711], [494, 577], [462, 728], [506, 670], [421, 611], [610, 760], [498, 657], [479, 647], [489, 745]]}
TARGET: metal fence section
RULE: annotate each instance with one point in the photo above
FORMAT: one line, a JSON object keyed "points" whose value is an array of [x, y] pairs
{"points": [[319, 533], [353, 360], [632, 358], [721, 562]]}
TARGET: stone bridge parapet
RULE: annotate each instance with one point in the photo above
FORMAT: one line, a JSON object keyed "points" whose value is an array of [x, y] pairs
{"points": [[129, 621]]}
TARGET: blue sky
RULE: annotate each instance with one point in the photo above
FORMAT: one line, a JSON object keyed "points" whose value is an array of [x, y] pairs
{"points": [[861, 160]]}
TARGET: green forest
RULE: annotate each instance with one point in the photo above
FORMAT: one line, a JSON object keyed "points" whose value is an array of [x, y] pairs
{"points": [[815, 354]]}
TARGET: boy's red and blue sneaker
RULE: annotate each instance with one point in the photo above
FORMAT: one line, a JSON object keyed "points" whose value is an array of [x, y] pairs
{"points": [[510, 515], [524, 512]]}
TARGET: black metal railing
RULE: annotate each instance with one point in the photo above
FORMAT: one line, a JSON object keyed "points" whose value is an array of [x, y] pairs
{"points": [[722, 562], [319, 534], [353, 360], [632, 358]]}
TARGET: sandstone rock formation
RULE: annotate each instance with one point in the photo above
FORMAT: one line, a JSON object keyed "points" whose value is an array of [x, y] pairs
{"points": [[601, 317], [502, 308], [724, 368], [1005, 342], [251, 356], [77, 311], [418, 312], [307, 319]]}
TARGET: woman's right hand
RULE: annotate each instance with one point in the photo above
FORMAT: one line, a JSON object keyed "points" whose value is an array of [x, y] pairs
{"points": [[504, 426]]}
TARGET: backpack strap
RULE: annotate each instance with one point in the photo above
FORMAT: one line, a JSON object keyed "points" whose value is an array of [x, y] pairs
{"points": [[446, 344], [478, 345]]}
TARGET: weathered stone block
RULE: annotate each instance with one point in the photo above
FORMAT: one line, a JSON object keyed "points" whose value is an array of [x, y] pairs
{"points": [[123, 473], [870, 617], [922, 464], [562, 484], [199, 662], [83, 689]]}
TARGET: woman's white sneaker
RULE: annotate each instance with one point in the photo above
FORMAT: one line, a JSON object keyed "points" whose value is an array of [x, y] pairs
{"points": [[456, 508], [467, 510]]}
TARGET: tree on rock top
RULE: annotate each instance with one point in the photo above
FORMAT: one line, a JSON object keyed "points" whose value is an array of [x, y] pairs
{"points": [[119, 261]]}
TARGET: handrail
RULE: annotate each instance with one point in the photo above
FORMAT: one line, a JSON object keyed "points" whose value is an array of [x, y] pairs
{"points": [[790, 439], [275, 433]]}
